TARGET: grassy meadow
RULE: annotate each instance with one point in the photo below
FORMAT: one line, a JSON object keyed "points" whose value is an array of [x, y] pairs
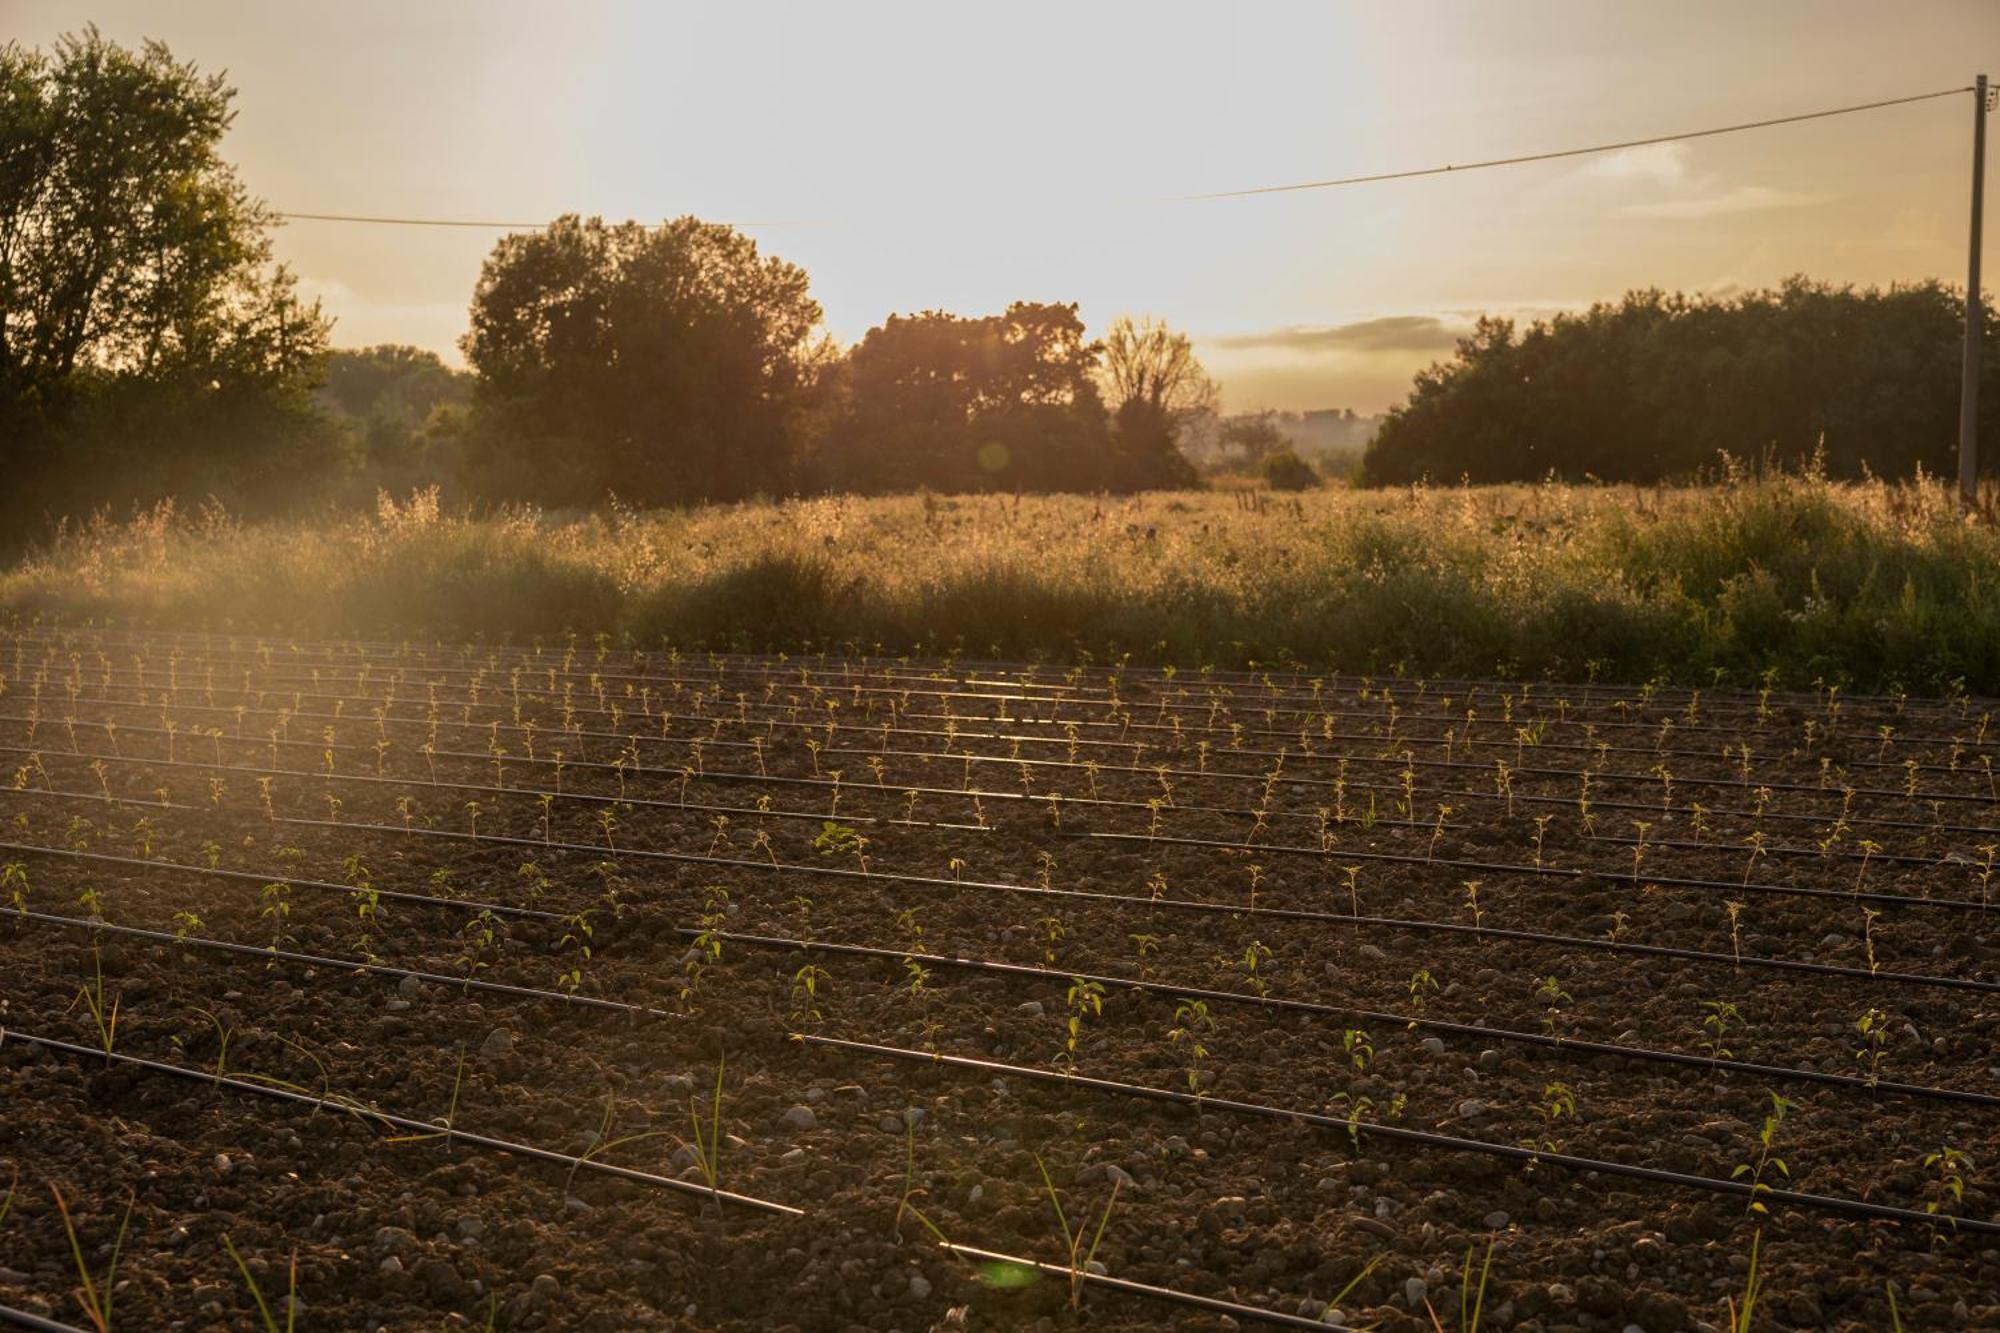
{"points": [[1794, 579]]}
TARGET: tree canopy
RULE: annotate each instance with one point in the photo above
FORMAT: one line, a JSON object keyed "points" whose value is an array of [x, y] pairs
{"points": [[666, 364], [136, 286], [1657, 386]]}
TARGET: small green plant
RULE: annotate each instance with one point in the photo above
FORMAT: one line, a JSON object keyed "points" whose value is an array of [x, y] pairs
{"points": [[1557, 1104], [1873, 1025], [1945, 1184], [1084, 1000], [1256, 967], [14, 879], [1471, 1300], [1753, 1287], [707, 1145], [1079, 1258], [1422, 985], [1192, 1022], [93, 1294], [264, 1314], [1717, 1018], [277, 911], [576, 936], [1553, 998], [837, 839], [1765, 1159], [103, 1012], [1360, 1052], [806, 984]]}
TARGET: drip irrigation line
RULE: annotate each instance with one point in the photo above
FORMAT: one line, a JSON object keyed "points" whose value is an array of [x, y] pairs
{"points": [[1196, 905], [1572, 874], [1574, 1047], [372, 779], [1358, 785], [965, 672], [1125, 724], [1150, 1292], [22, 1319], [1402, 1134], [248, 876], [1469, 741], [427, 1128], [1880, 976]]}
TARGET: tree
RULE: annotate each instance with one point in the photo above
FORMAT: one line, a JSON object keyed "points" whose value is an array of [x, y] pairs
{"points": [[1657, 386], [668, 364], [136, 285], [998, 402], [1156, 387]]}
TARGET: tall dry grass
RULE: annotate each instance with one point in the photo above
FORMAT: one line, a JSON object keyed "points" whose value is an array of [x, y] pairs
{"points": [[1876, 586]]}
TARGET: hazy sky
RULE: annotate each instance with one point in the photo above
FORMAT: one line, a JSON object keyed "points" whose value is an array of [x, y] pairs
{"points": [[958, 156]]}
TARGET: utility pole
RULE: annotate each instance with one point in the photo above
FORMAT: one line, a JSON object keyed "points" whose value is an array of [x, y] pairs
{"points": [[1968, 387]]}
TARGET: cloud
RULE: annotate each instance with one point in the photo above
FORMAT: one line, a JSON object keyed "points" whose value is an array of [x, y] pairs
{"points": [[1659, 163], [1394, 333], [1741, 199]]}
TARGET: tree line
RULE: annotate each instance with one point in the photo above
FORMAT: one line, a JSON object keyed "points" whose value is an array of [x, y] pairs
{"points": [[149, 347], [1658, 386]]}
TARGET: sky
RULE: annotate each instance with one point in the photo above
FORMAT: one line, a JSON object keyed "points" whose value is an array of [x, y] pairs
{"points": [[954, 156]]}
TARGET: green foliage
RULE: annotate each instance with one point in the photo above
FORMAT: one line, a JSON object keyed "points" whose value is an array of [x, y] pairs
{"points": [[1657, 386], [148, 346], [1284, 470], [666, 364]]}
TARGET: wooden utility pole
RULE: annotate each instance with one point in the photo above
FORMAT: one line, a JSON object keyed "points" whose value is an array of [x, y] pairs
{"points": [[1968, 388]]}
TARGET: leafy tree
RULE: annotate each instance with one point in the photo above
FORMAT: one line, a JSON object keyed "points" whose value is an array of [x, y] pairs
{"points": [[403, 411], [668, 364], [147, 344], [1657, 386], [1157, 387], [1286, 471], [999, 402]]}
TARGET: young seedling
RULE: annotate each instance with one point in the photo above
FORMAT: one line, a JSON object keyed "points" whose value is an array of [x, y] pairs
{"points": [[707, 1145], [1717, 1017], [1873, 1025], [1422, 984], [1553, 998], [1753, 1287], [1946, 1186], [1192, 1022], [264, 1314], [1083, 1000], [806, 984], [103, 1012], [1256, 963], [1079, 1259], [14, 879], [1765, 1160], [93, 1294], [1360, 1051], [1471, 1300], [1472, 905], [1558, 1103]]}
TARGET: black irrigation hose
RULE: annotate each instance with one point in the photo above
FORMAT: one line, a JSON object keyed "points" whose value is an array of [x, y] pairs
{"points": [[22, 1319], [1168, 1294], [1573, 873], [1562, 1045], [789, 666], [587, 798], [335, 1102], [1728, 703], [1175, 904], [1424, 1137], [505, 694], [725, 777], [1570, 1046], [216, 872]]}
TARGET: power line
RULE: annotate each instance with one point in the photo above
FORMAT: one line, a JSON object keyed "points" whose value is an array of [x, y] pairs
{"points": [[371, 220], [466, 222], [1579, 152]]}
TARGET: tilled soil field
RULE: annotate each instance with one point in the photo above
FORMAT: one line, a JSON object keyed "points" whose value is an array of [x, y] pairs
{"points": [[563, 987]]}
